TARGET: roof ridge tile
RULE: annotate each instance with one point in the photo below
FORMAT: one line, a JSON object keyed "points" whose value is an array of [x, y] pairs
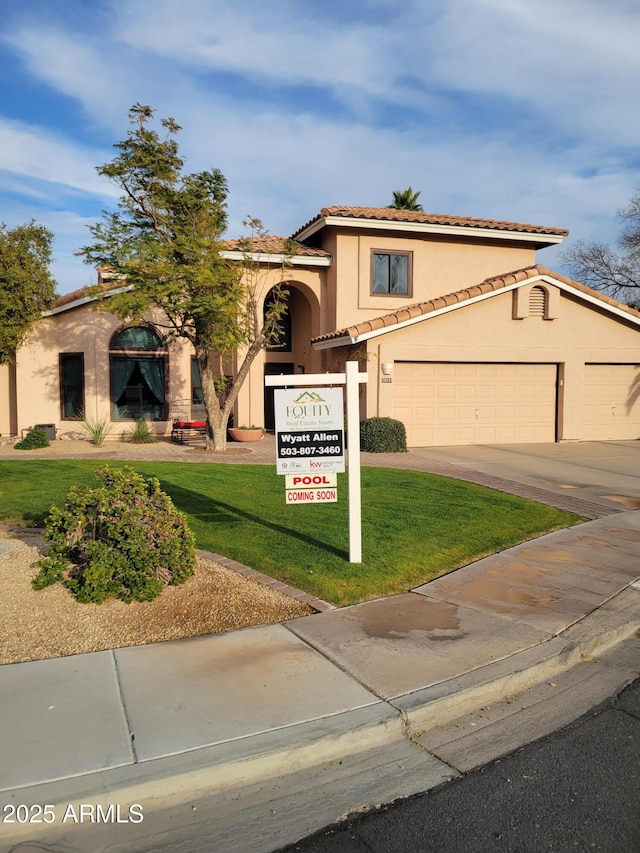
{"points": [[392, 214], [489, 285]]}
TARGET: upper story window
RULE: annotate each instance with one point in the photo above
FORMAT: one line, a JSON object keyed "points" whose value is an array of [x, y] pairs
{"points": [[391, 273]]}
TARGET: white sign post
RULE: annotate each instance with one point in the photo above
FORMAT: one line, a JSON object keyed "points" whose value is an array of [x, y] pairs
{"points": [[353, 431], [327, 459]]}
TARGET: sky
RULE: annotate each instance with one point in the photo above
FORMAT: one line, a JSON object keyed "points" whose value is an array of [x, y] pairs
{"points": [[519, 110]]}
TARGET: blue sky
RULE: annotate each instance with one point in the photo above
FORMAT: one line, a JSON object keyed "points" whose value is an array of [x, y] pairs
{"points": [[523, 110]]}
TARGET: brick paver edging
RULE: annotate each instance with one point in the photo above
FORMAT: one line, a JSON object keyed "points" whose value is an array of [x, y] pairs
{"points": [[316, 604]]}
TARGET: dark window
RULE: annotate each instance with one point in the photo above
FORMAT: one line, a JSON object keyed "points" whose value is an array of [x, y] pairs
{"points": [[71, 385], [198, 411], [284, 331], [391, 273], [196, 383], [138, 374]]}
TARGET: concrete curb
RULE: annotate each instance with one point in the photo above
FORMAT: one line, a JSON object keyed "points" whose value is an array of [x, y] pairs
{"points": [[183, 778], [617, 620]]}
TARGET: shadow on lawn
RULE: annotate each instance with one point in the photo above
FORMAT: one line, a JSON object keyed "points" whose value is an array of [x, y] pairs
{"points": [[216, 511]]}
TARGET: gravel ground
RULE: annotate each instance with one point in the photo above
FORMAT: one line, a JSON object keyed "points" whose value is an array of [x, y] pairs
{"points": [[50, 623]]}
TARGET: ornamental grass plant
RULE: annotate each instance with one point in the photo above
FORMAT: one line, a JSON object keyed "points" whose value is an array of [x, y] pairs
{"points": [[98, 428]]}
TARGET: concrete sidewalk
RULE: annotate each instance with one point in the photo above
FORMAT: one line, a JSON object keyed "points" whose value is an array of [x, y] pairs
{"points": [[164, 724]]}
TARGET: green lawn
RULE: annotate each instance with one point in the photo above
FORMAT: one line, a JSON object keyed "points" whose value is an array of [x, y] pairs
{"points": [[415, 526]]}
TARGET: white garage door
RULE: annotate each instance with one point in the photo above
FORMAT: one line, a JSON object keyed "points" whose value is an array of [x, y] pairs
{"points": [[611, 402], [454, 403]]}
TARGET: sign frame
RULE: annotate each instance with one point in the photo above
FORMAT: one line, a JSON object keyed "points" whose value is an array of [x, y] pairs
{"points": [[351, 378], [309, 429]]}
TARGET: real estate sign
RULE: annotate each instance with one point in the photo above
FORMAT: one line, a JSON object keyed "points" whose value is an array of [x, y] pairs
{"points": [[309, 430]]}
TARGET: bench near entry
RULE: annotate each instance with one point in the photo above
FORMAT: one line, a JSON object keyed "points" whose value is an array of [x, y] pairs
{"points": [[182, 431]]}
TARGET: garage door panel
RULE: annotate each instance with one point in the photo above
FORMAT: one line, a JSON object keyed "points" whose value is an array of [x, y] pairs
{"points": [[475, 403], [467, 392], [611, 402], [445, 413]]}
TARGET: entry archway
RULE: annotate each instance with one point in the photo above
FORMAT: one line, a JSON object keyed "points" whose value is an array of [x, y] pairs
{"points": [[292, 353]]}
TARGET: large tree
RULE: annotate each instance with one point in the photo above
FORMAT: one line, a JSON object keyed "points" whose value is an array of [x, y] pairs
{"points": [[406, 200], [165, 243], [615, 271], [26, 284]]}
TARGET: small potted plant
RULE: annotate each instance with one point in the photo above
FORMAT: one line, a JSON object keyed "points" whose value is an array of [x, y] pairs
{"points": [[246, 433]]}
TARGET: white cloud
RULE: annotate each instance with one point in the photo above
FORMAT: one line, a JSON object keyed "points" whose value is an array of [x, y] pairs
{"points": [[574, 63], [576, 67], [284, 42], [34, 152]]}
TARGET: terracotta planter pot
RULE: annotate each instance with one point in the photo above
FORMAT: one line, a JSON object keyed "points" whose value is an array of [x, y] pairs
{"points": [[245, 434]]}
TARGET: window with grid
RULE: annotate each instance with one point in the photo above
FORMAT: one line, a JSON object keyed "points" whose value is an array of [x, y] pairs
{"points": [[391, 273]]}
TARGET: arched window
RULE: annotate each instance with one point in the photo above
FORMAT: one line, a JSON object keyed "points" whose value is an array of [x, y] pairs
{"points": [[537, 302], [138, 374]]}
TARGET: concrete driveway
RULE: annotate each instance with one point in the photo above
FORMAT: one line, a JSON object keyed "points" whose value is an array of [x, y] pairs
{"points": [[603, 472]]}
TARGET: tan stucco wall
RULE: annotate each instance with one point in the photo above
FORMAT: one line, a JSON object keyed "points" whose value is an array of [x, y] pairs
{"points": [[441, 265], [486, 332], [87, 331], [326, 298]]}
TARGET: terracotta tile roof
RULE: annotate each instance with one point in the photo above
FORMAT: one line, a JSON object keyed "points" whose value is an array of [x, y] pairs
{"points": [[275, 246], [88, 292], [489, 285], [390, 214], [609, 300]]}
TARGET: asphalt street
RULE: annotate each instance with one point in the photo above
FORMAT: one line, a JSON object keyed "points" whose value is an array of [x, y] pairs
{"points": [[578, 789]]}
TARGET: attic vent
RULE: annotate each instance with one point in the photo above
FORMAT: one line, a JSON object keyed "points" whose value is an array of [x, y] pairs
{"points": [[537, 302]]}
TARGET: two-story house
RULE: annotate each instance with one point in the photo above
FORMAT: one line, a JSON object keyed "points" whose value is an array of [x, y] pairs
{"points": [[464, 337]]}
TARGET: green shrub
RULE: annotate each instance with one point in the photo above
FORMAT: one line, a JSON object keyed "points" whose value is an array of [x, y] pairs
{"points": [[123, 539], [142, 433], [383, 435], [34, 438]]}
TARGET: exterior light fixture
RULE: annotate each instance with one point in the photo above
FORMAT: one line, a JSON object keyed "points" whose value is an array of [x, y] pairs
{"points": [[387, 368]]}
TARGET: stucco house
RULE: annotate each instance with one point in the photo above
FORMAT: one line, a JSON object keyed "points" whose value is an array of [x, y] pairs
{"points": [[465, 337]]}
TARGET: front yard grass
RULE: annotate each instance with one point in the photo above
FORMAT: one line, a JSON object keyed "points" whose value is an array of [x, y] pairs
{"points": [[415, 527]]}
